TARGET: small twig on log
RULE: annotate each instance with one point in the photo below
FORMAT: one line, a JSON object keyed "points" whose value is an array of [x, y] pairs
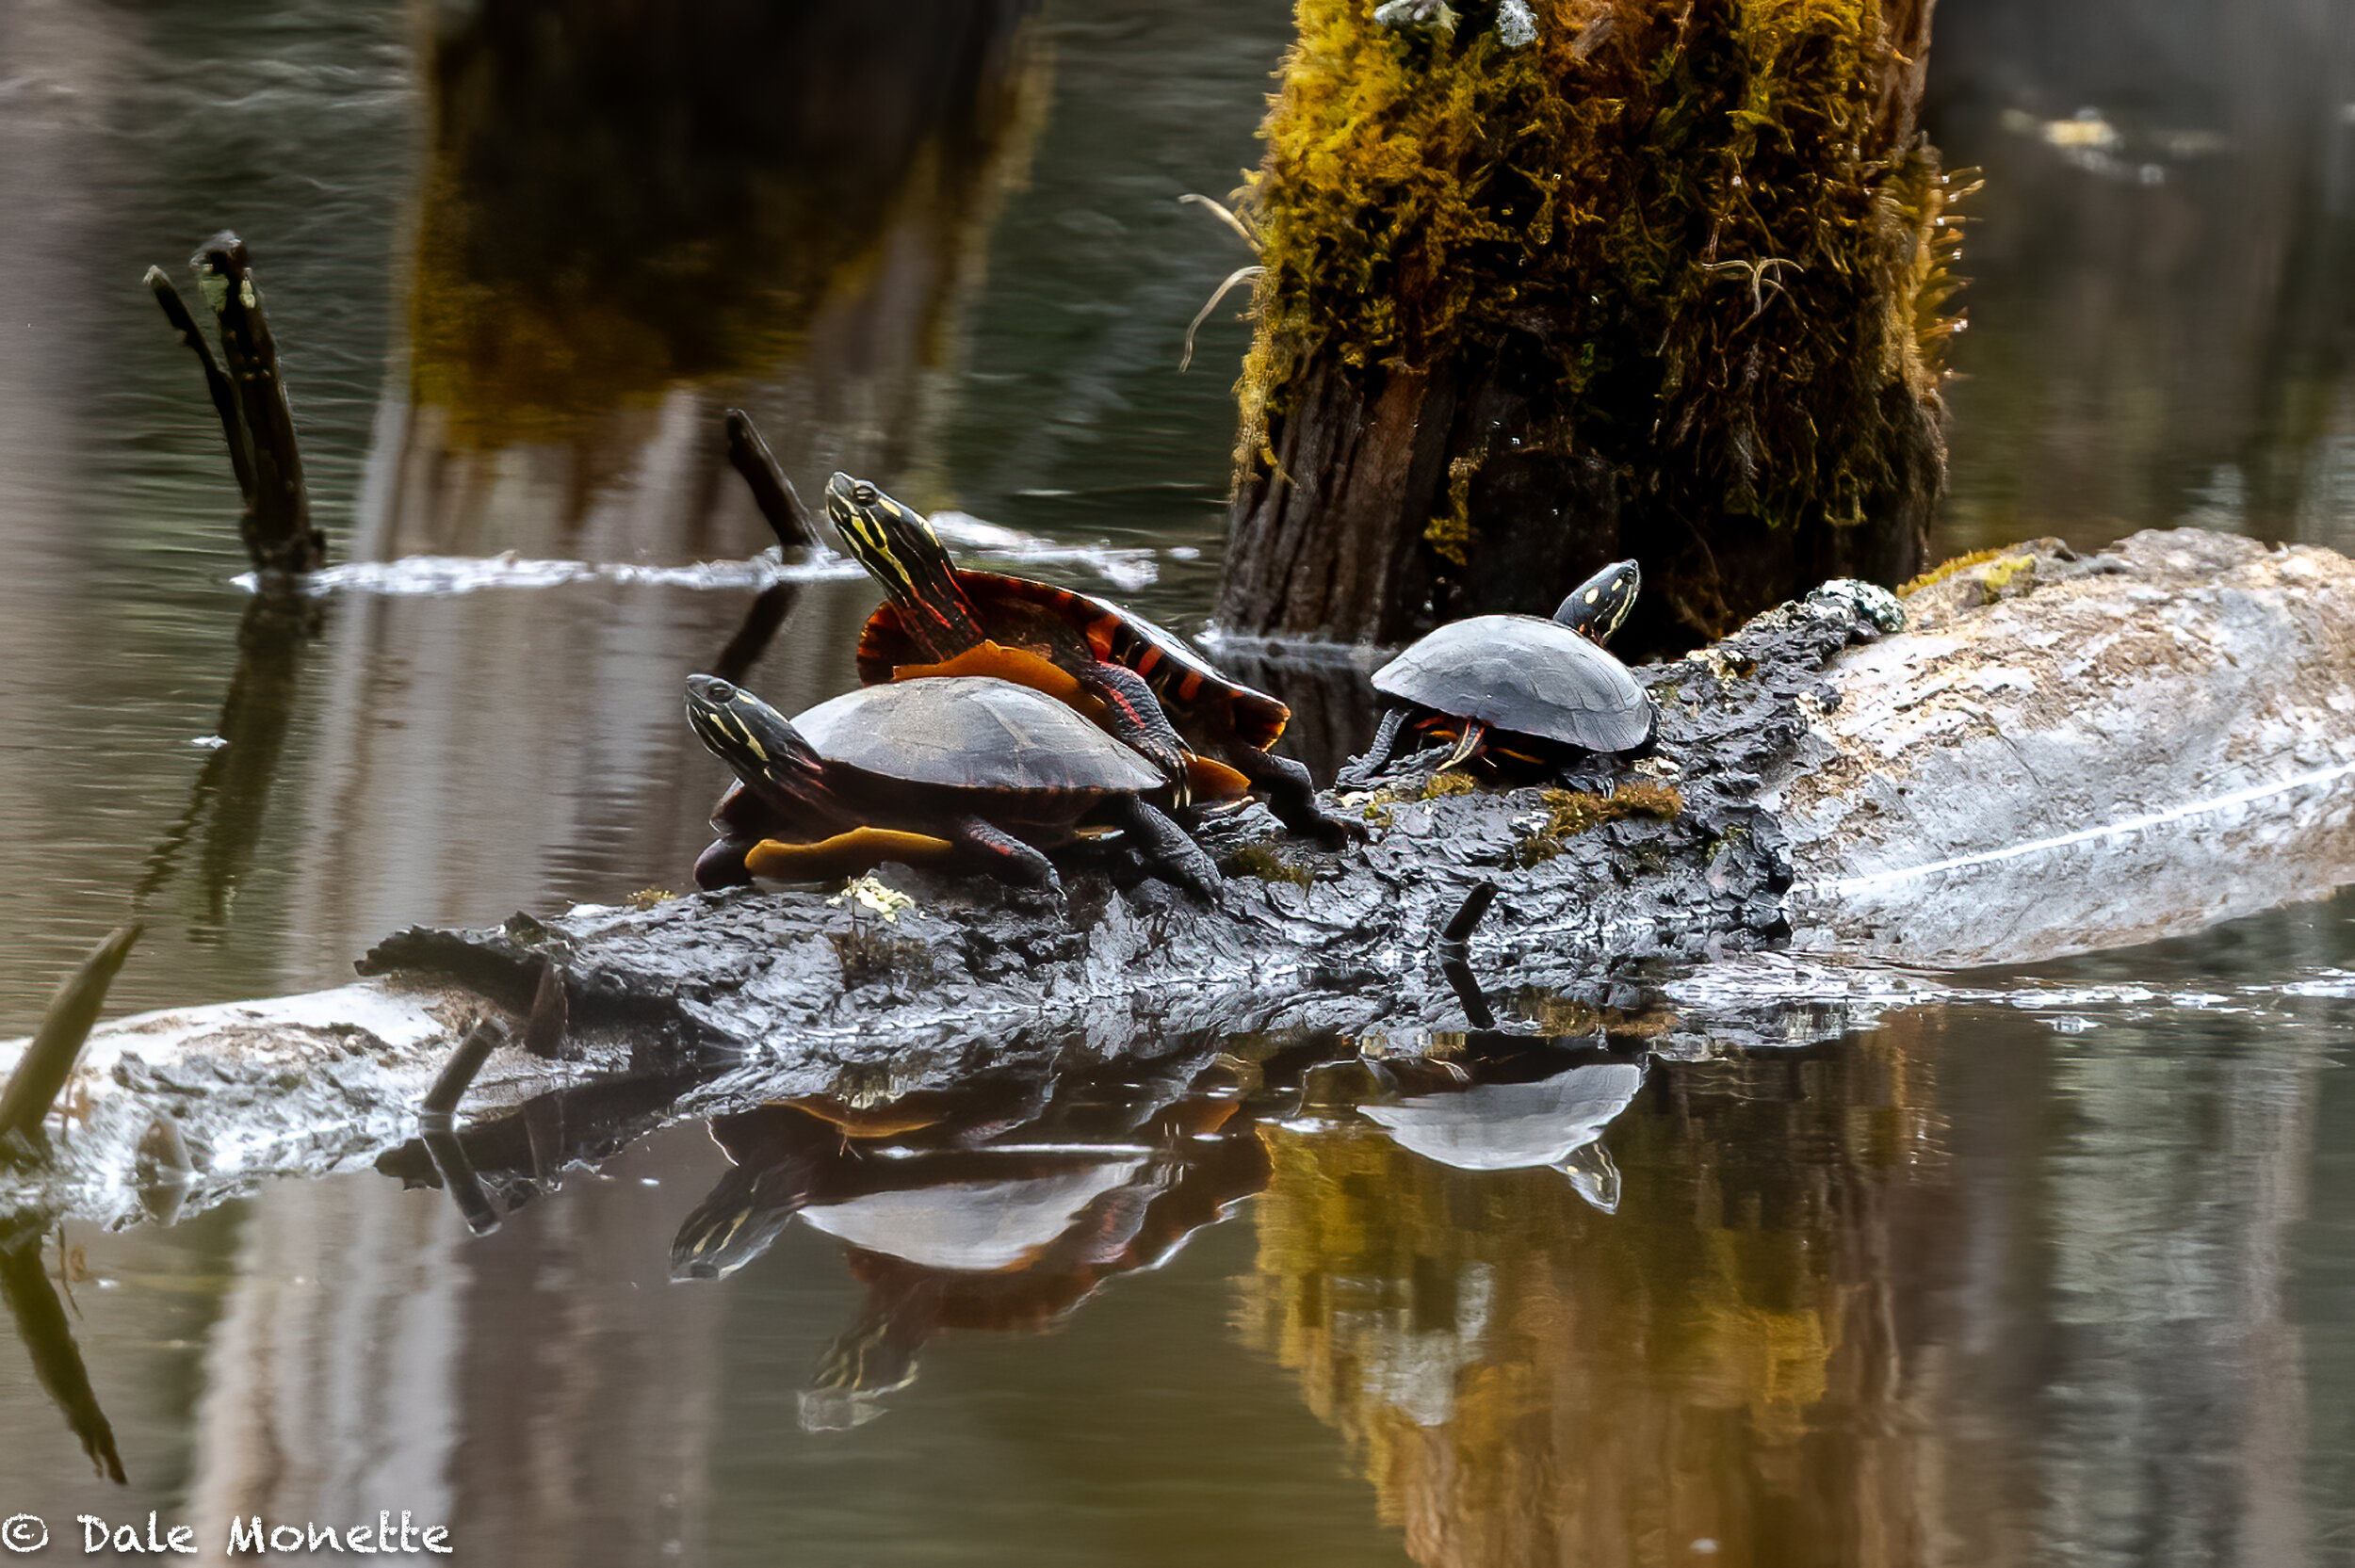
{"points": [[217, 381], [458, 1073], [771, 490], [1226, 215], [543, 1031], [1473, 1000], [1468, 916], [48, 1061], [277, 523], [1241, 274]]}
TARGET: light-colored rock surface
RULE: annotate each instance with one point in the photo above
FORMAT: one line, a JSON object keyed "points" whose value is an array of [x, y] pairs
{"points": [[2115, 749]]}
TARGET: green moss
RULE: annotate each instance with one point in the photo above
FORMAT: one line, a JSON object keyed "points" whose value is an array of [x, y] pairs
{"points": [[1571, 812], [1450, 535], [1260, 861], [1684, 226]]}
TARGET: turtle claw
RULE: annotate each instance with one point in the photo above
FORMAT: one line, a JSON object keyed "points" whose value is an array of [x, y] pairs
{"points": [[1167, 852]]}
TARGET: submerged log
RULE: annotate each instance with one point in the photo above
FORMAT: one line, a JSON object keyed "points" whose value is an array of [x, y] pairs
{"points": [[1568, 282], [2183, 698]]}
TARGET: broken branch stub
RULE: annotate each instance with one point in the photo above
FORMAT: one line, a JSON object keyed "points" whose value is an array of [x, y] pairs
{"points": [[217, 383], [278, 536], [40, 1076], [772, 493]]}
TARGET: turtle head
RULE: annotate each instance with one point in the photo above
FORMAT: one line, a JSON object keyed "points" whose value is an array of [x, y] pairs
{"points": [[903, 553], [875, 1356], [776, 764], [1596, 605]]}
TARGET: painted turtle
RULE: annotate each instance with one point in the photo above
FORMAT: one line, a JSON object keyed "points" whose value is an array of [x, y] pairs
{"points": [[1547, 684], [967, 770], [1143, 686]]}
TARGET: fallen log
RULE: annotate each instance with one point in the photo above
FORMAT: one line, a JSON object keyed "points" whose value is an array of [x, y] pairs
{"points": [[2063, 756], [2184, 697]]}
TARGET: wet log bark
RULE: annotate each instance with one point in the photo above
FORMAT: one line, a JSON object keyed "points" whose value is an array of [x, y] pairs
{"points": [[1661, 282], [2185, 701], [2063, 755]]}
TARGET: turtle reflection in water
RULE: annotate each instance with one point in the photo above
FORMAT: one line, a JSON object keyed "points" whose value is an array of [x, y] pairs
{"points": [[1555, 1121], [1142, 685], [1521, 686], [1003, 1236], [970, 772]]}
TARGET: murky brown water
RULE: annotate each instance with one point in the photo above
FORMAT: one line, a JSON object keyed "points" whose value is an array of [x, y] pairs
{"points": [[2061, 1272]]}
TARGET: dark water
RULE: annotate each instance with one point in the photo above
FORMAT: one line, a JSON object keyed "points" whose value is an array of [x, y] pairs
{"points": [[2060, 1271]]}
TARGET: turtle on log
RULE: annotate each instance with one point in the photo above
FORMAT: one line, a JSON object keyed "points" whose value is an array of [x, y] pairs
{"points": [[967, 771], [1521, 686], [1141, 682]]}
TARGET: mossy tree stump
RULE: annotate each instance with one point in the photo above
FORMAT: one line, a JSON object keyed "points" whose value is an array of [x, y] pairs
{"points": [[1666, 281]]}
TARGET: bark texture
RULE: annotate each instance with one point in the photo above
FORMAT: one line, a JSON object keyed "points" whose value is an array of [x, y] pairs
{"points": [[1666, 282]]}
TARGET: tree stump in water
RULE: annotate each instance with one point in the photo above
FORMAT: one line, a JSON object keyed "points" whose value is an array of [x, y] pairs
{"points": [[1661, 282]]}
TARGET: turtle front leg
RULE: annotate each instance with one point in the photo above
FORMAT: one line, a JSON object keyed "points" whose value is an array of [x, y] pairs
{"points": [[1167, 853], [1366, 769], [1291, 795], [1134, 717], [992, 849]]}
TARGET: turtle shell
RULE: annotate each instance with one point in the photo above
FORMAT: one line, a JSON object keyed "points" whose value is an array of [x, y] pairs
{"points": [[1526, 675], [971, 732], [1190, 690]]}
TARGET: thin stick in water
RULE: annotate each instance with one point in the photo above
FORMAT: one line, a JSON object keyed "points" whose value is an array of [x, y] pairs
{"points": [[772, 493], [48, 1061]]}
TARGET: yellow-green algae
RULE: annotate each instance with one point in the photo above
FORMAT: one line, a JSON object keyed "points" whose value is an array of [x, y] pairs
{"points": [[1259, 860], [2008, 561], [1686, 210], [1571, 812]]}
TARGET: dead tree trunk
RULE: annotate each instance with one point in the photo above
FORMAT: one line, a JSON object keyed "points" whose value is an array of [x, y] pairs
{"points": [[1661, 281]]}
